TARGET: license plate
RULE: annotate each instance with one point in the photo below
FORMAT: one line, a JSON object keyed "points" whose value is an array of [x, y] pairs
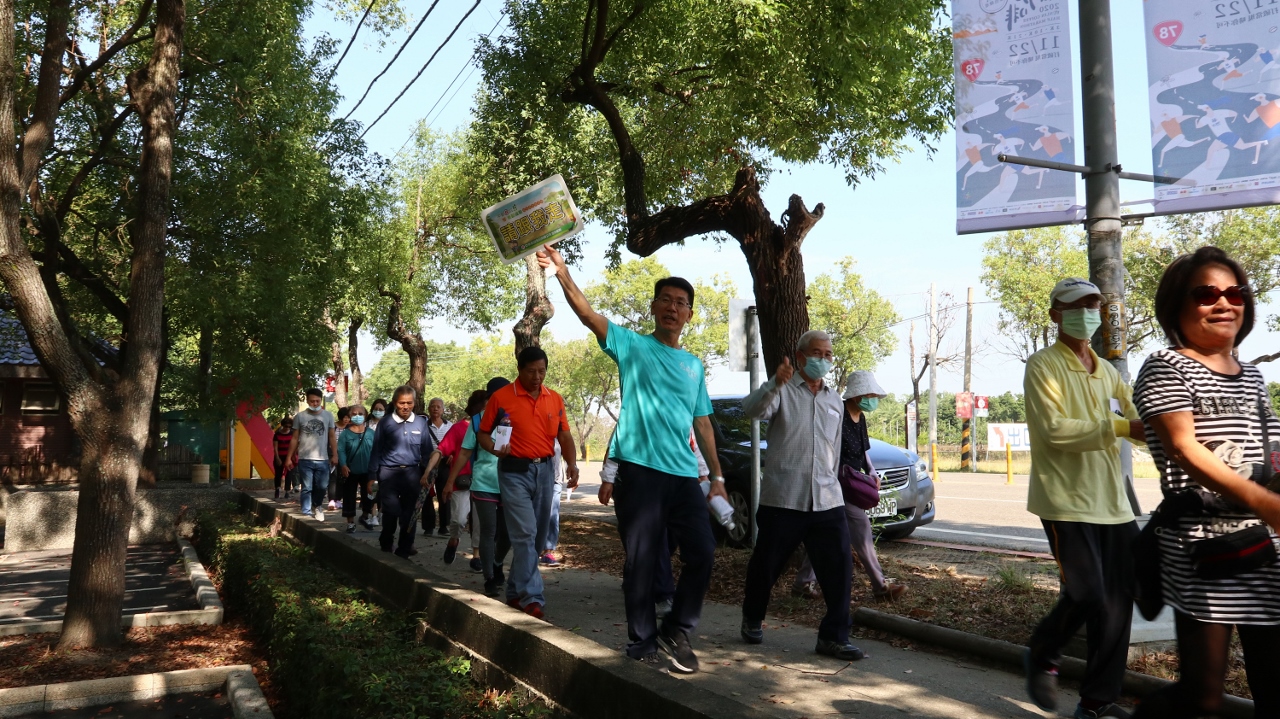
{"points": [[888, 507]]}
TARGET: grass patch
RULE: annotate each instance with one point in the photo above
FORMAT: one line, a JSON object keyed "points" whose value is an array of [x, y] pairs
{"points": [[332, 651]]}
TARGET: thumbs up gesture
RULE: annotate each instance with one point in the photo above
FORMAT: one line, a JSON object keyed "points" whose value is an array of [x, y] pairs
{"points": [[784, 372]]}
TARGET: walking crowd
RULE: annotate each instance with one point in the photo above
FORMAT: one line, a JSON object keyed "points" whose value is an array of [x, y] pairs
{"points": [[496, 475]]}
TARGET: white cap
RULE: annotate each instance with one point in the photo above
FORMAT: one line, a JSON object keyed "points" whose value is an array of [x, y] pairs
{"points": [[1072, 289], [862, 383]]}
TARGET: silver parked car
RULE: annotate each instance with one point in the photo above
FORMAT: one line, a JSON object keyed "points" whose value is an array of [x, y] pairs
{"points": [[906, 489]]}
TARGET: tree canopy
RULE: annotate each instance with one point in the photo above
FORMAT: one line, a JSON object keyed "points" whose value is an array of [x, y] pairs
{"points": [[857, 317]]}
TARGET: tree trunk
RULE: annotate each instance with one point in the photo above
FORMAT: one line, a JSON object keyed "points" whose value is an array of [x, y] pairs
{"points": [[335, 361], [413, 345], [353, 360], [109, 470], [538, 309], [772, 251]]}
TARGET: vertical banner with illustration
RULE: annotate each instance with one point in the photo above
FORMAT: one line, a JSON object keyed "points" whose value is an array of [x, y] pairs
{"points": [[1214, 85], [540, 215], [1013, 96]]}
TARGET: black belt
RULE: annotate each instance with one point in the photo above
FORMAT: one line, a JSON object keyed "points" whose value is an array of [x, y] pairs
{"points": [[404, 466], [537, 460]]}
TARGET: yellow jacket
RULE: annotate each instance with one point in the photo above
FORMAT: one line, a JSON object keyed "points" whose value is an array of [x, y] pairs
{"points": [[1075, 438]]}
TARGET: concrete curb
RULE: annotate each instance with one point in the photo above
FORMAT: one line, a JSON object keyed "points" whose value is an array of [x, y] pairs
{"points": [[1010, 655], [241, 686], [571, 672], [210, 611]]}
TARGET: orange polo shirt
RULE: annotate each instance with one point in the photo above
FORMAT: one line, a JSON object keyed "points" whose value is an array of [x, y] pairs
{"points": [[534, 422]]}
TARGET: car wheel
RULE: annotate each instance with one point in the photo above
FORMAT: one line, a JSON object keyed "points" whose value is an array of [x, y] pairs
{"points": [[740, 535], [888, 535]]}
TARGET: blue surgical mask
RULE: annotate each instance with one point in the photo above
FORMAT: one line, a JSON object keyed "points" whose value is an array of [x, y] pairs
{"points": [[869, 404], [817, 367], [377, 413], [1081, 323], [313, 410], [357, 419]]}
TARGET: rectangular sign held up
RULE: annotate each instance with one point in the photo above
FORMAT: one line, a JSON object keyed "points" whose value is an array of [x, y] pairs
{"points": [[541, 215]]}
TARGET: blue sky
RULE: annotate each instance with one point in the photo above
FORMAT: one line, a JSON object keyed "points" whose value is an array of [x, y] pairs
{"points": [[899, 225]]}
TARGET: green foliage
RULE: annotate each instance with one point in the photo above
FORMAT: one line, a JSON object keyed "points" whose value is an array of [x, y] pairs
{"points": [[391, 371], [329, 647], [626, 292], [1012, 579], [856, 317], [1019, 269], [708, 86]]}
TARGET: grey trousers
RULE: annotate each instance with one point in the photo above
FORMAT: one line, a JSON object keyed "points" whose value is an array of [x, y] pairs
{"points": [[864, 545]]}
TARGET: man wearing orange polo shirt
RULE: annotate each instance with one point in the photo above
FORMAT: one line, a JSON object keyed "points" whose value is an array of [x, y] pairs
{"points": [[536, 419]]}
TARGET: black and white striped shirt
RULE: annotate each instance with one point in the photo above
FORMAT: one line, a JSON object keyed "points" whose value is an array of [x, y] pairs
{"points": [[1225, 409]]}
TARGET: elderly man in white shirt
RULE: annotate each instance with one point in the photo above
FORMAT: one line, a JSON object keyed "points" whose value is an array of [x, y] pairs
{"points": [[800, 497]]}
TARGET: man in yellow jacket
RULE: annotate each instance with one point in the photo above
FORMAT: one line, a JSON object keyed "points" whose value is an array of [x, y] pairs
{"points": [[1078, 411]]}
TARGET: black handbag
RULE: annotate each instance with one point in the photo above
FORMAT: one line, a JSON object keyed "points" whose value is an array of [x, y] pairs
{"points": [[462, 483]]}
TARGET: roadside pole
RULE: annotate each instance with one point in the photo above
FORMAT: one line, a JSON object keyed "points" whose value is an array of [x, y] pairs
{"points": [[966, 427], [933, 378], [753, 351], [1102, 197]]}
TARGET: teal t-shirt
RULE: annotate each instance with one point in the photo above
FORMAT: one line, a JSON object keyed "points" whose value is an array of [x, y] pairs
{"points": [[663, 389], [484, 466]]}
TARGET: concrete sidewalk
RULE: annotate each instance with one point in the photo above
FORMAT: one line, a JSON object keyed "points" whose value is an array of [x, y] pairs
{"points": [[783, 677]]}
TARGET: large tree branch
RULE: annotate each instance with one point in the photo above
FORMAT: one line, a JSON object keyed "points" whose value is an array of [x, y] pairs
{"points": [[130, 37], [39, 132], [1265, 358], [97, 158]]}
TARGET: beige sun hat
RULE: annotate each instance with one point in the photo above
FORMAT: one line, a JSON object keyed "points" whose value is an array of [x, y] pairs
{"points": [[862, 383]]}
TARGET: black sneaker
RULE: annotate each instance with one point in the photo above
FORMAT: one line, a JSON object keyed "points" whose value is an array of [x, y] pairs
{"points": [[751, 634], [406, 553], [364, 522], [653, 660], [844, 651], [450, 551], [442, 532], [493, 587], [1042, 684], [351, 529], [476, 565], [498, 575], [676, 645], [1111, 711]]}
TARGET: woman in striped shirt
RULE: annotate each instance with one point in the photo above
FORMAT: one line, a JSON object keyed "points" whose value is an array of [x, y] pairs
{"points": [[1204, 411]]}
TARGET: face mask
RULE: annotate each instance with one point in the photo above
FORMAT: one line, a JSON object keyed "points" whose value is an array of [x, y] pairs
{"points": [[377, 414], [869, 404], [1081, 323], [313, 410], [357, 419], [817, 367]]}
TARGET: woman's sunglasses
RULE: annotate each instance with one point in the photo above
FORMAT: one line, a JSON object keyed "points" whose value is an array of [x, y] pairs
{"points": [[1208, 295]]}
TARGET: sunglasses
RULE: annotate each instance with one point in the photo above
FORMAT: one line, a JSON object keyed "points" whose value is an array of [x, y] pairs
{"points": [[1208, 295]]}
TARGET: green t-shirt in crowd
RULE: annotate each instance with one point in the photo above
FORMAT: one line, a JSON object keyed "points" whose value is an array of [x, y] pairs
{"points": [[484, 466]]}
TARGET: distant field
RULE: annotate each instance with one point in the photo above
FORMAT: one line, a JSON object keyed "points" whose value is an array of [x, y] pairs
{"points": [[1143, 467]]}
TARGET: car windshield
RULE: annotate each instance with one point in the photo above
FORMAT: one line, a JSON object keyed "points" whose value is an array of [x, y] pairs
{"points": [[735, 424]]}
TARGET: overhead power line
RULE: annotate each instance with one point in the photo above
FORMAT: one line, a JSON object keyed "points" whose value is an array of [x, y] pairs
{"points": [[352, 41], [423, 68], [465, 65], [393, 59]]}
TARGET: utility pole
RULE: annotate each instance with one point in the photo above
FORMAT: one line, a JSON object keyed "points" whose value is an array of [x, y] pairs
{"points": [[1102, 196], [933, 377], [966, 427], [753, 354]]}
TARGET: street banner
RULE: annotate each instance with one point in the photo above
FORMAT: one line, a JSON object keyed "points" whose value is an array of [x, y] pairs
{"points": [[1014, 96], [541, 215], [964, 405], [1015, 436], [1214, 88]]}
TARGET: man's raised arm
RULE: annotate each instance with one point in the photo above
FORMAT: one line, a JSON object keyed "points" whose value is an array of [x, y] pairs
{"points": [[549, 257]]}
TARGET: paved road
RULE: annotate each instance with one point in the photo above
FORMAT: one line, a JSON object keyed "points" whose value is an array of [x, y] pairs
{"points": [[982, 509]]}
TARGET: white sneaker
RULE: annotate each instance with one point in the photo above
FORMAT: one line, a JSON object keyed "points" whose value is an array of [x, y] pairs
{"points": [[333, 506], [374, 521], [319, 515]]}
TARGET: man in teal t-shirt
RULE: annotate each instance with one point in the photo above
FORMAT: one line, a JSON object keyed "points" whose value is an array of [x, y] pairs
{"points": [[664, 395]]}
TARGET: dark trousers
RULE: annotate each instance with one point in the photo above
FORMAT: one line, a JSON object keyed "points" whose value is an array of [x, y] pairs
{"points": [[441, 479], [664, 580], [494, 541], [649, 504], [1095, 564], [368, 499], [398, 490], [825, 536], [350, 487]]}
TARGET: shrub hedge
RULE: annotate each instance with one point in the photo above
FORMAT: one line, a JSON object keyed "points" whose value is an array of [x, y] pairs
{"points": [[333, 652]]}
